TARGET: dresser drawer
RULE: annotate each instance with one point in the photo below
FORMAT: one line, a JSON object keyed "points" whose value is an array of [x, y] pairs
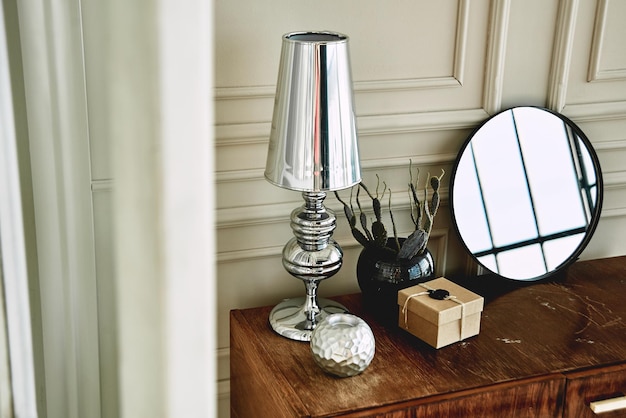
{"points": [[589, 386], [537, 397]]}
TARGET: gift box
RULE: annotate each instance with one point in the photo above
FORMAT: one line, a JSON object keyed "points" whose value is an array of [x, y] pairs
{"points": [[440, 312]]}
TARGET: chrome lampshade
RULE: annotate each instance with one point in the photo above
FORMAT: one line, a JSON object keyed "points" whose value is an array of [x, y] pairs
{"points": [[313, 142], [313, 149]]}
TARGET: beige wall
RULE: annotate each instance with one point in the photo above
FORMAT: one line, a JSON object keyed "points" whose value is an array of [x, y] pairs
{"points": [[425, 73]]}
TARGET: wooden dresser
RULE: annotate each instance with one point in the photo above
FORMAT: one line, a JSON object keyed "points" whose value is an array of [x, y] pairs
{"points": [[544, 350]]}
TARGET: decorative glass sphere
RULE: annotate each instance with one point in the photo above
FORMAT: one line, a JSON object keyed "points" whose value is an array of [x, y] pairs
{"points": [[343, 344]]}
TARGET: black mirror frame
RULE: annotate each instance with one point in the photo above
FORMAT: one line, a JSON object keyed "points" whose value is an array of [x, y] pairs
{"points": [[595, 216]]}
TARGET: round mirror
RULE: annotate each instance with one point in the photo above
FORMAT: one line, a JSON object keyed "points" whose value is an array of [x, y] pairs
{"points": [[526, 193]]}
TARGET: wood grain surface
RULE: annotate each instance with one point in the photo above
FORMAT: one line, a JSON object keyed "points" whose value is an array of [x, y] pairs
{"points": [[530, 337]]}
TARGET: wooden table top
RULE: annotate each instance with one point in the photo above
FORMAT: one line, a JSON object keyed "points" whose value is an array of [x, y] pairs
{"points": [[575, 322]]}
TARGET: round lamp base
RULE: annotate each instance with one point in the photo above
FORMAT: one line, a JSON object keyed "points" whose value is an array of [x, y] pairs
{"points": [[290, 319]]}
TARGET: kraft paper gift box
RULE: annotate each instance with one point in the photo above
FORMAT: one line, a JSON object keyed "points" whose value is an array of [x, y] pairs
{"points": [[439, 322]]}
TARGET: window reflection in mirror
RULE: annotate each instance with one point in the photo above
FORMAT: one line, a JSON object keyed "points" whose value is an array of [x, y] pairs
{"points": [[524, 193]]}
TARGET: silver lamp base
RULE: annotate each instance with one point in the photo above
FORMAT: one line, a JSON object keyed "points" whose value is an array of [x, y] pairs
{"points": [[311, 256], [290, 317]]}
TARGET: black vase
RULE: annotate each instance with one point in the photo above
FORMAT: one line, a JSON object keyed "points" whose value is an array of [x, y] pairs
{"points": [[381, 276]]}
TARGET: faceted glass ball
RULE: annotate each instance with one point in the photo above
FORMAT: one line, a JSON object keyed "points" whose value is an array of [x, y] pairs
{"points": [[342, 344]]}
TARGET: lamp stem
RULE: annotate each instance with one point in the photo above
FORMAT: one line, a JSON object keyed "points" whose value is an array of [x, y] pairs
{"points": [[311, 307], [311, 256]]}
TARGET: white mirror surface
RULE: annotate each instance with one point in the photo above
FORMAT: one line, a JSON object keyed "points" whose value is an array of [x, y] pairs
{"points": [[526, 193]]}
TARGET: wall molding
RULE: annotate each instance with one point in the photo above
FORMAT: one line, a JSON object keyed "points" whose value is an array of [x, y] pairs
{"points": [[614, 180], [377, 86], [359, 87], [496, 55], [578, 113], [596, 73], [105, 185], [241, 134], [438, 243], [276, 213], [562, 54], [420, 122], [279, 214], [595, 112], [597, 41], [380, 164], [223, 378], [613, 213], [237, 134], [255, 132], [236, 217], [617, 145]]}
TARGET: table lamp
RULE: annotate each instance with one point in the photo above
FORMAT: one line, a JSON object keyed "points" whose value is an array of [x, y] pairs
{"points": [[313, 149]]}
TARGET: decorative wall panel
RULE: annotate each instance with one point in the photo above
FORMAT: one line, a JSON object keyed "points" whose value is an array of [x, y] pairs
{"points": [[425, 75], [598, 65], [607, 61]]}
